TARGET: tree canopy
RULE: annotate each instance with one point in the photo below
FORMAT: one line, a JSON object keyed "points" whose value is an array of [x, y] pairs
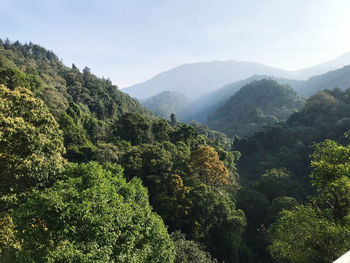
{"points": [[319, 231], [261, 102], [91, 215], [31, 143]]}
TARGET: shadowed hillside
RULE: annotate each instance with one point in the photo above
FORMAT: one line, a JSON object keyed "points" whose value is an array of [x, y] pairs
{"points": [[259, 103]]}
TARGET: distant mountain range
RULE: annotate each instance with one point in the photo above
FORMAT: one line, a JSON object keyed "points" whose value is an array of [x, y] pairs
{"points": [[205, 105], [197, 79]]}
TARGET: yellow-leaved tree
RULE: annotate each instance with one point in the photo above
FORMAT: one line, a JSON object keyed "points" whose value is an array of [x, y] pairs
{"points": [[206, 164], [31, 143]]}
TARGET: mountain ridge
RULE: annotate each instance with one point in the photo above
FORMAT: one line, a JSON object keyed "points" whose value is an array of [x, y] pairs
{"points": [[197, 79]]}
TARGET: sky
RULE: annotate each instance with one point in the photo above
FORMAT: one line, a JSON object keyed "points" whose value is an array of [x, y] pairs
{"points": [[130, 41]]}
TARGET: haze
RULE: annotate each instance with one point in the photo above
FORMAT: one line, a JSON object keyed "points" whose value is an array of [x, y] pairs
{"points": [[131, 41]]}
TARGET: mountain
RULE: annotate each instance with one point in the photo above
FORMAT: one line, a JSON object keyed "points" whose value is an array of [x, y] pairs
{"points": [[60, 86], [324, 67], [199, 109], [82, 104], [261, 102], [339, 78], [209, 103], [197, 79], [325, 115], [166, 103]]}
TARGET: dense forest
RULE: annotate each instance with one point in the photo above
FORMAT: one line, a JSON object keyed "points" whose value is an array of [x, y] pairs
{"points": [[166, 103], [206, 105], [87, 174], [261, 102]]}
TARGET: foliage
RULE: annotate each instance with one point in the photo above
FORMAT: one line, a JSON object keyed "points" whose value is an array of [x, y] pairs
{"points": [[8, 242], [216, 138], [183, 201], [166, 103], [278, 182], [102, 99], [302, 235], [205, 164], [288, 144], [263, 102], [134, 128], [215, 221], [31, 144], [91, 215], [199, 109], [13, 78], [321, 232], [331, 177], [188, 251]]}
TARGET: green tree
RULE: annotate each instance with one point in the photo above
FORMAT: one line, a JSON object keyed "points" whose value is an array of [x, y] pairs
{"points": [[331, 177], [214, 220], [133, 128], [173, 119], [281, 203], [13, 78], [256, 209], [8, 242], [277, 182], [189, 251], [319, 232], [91, 215], [302, 235]]}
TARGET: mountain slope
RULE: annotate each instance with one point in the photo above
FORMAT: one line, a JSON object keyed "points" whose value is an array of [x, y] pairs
{"points": [[324, 67], [166, 103], [262, 102], [339, 78], [208, 104], [60, 86], [82, 104]]}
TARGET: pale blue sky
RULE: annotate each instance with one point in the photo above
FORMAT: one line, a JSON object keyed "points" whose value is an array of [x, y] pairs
{"points": [[132, 40]]}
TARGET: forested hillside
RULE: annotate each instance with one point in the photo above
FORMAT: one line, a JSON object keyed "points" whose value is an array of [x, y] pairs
{"points": [[166, 103], [274, 168], [339, 78], [61, 86], [263, 102], [204, 106], [87, 174], [199, 109], [51, 117]]}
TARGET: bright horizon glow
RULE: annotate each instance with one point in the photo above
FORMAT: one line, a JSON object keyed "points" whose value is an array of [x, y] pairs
{"points": [[132, 41]]}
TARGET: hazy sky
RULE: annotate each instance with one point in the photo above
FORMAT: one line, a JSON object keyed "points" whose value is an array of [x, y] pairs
{"points": [[132, 40]]}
